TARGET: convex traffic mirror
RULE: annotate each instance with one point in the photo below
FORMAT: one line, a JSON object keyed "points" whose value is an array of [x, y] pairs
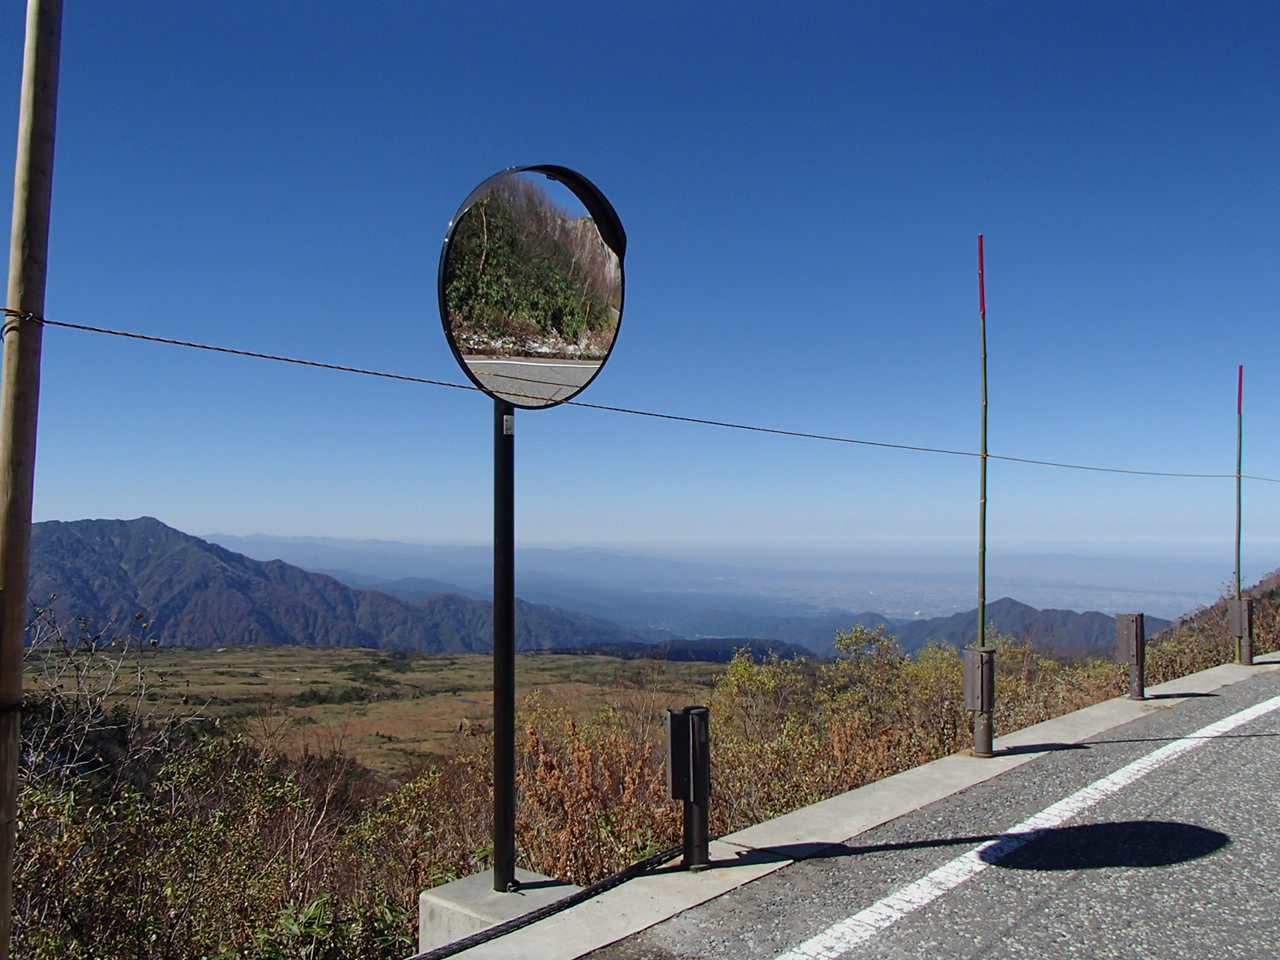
{"points": [[531, 285]]}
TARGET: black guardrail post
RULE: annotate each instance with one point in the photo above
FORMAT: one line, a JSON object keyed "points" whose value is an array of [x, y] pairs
{"points": [[1240, 620], [689, 778], [980, 696], [1131, 648]]}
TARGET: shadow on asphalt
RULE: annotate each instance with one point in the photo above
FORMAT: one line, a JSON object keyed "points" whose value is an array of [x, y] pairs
{"points": [[1039, 748], [1128, 843], [1221, 736]]}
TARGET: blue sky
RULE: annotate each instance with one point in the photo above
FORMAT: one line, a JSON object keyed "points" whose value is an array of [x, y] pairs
{"points": [[802, 194]]}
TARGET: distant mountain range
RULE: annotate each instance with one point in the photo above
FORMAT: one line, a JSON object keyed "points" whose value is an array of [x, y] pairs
{"points": [[201, 594]]}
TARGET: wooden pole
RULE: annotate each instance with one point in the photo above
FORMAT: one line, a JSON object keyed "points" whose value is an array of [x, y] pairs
{"points": [[19, 399]]}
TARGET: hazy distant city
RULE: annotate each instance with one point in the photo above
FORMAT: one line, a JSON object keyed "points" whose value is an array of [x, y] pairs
{"points": [[652, 591]]}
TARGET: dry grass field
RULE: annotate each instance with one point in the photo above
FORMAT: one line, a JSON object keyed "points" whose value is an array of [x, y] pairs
{"points": [[390, 709]]}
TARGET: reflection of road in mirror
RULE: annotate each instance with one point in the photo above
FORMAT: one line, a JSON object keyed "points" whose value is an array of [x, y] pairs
{"points": [[529, 381]]}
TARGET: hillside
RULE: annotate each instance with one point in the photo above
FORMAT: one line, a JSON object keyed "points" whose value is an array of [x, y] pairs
{"points": [[203, 595], [1059, 633]]}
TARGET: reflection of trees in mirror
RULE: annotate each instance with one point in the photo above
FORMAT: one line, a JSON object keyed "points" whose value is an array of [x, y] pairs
{"points": [[524, 278]]}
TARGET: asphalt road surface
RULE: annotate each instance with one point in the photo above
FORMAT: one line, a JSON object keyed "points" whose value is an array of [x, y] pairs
{"points": [[530, 382], [1156, 840]]}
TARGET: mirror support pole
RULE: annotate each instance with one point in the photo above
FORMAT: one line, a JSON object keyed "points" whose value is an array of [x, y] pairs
{"points": [[504, 648]]}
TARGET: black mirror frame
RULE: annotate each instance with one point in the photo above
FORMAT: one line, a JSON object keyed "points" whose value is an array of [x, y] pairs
{"points": [[607, 223]]}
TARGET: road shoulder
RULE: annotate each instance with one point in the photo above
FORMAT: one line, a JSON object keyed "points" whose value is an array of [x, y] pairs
{"points": [[765, 848]]}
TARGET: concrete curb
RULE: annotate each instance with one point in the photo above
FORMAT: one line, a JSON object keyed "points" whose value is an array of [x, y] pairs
{"points": [[762, 849]]}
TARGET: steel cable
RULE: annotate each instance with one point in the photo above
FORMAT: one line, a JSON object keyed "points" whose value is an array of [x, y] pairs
{"points": [[729, 425]]}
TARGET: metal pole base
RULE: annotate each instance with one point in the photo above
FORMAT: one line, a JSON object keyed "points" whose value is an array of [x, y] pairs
{"points": [[983, 735], [1240, 623], [980, 697], [1244, 651]]}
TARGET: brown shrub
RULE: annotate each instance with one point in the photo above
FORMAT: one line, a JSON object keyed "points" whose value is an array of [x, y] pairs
{"points": [[218, 846]]}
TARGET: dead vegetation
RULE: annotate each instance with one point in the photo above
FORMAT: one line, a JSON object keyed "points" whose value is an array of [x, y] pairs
{"points": [[156, 834]]}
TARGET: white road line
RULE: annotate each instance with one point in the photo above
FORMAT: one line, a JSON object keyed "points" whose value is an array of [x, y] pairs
{"points": [[573, 365], [841, 937]]}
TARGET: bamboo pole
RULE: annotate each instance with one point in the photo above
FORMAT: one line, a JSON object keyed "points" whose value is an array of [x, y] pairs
{"points": [[984, 661], [982, 485], [1239, 466], [19, 399], [1244, 644]]}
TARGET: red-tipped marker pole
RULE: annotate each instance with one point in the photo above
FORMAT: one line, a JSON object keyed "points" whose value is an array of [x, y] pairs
{"points": [[982, 493], [1239, 465], [984, 660]]}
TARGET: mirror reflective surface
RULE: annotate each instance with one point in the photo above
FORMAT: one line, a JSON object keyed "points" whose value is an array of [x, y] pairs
{"points": [[531, 285]]}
